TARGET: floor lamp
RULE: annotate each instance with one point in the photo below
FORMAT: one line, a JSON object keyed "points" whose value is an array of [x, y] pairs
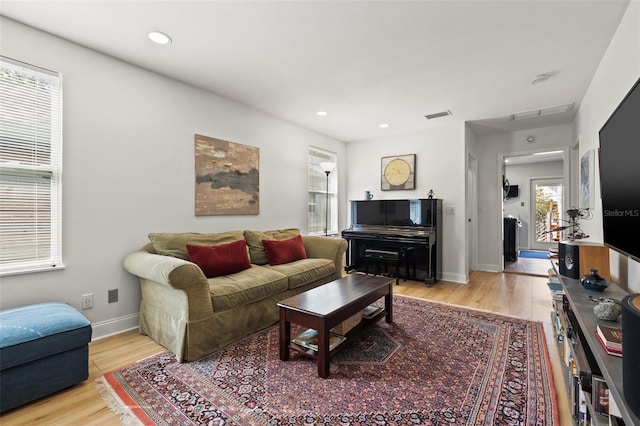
{"points": [[327, 167]]}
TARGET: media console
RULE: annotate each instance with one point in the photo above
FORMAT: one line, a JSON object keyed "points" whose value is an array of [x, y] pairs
{"points": [[593, 364]]}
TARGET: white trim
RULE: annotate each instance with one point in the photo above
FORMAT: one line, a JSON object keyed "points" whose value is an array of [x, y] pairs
{"points": [[456, 278], [113, 326], [488, 268]]}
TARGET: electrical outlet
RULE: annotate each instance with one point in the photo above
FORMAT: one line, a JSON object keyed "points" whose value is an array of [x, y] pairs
{"points": [[112, 295], [87, 301], [450, 210]]}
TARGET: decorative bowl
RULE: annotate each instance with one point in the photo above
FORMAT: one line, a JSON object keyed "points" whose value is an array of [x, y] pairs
{"points": [[593, 281]]}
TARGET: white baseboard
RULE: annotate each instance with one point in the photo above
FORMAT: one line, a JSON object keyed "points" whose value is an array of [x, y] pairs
{"points": [[455, 278], [113, 326], [488, 268]]}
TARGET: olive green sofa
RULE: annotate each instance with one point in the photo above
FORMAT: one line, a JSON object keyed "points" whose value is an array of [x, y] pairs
{"points": [[193, 315]]}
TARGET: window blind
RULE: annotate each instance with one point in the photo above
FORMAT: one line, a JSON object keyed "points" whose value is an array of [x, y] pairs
{"points": [[30, 167]]}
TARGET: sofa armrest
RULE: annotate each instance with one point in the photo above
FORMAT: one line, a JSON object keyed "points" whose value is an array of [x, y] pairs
{"points": [[177, 273], [326, 248]]}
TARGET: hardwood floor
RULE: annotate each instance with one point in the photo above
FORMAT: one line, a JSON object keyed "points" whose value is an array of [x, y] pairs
{"points": [[527, 266], [511, 294]]}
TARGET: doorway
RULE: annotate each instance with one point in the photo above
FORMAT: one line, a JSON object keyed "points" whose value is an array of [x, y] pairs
{"points": [[546, 212], [520, 168]]}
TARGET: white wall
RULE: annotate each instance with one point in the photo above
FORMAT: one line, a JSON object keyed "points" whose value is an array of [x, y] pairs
{"points": [[490, 211], [616, 74], [520, 207], [128, 167], [129, 170], [440, 165]]}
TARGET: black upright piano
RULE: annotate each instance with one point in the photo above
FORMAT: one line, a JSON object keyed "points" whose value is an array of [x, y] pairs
{"points": [[393, 224]]}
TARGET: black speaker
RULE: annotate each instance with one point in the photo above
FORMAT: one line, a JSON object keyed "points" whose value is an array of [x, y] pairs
{"points": [[631, 351], [577, 258], [569, 259]]}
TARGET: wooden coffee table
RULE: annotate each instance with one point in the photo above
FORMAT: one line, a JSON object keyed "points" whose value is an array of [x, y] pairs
{"points": [[324, 307]]}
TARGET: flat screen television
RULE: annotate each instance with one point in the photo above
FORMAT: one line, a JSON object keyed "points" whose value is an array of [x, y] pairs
{"points": [[512, 191], [620, 176]]}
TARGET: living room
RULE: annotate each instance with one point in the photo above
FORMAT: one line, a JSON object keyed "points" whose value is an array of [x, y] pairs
{"points": [[128, 167]]}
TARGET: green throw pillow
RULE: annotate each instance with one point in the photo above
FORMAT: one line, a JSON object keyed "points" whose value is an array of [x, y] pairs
{"points": [[254, 242], [175, 244]]}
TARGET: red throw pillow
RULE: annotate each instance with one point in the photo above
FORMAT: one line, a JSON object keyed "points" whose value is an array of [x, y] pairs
{"points": [[223, 259], [284, 251]]}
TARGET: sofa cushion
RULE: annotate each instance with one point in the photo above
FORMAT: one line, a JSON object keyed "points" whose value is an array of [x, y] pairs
{"points": [[223, 259], [304, 271], [243, 288], [254, 241], [175, 244], [284, 251]]}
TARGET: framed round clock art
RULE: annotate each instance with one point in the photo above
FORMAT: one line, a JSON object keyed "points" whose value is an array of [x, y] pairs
{"points": [[398, 172]]}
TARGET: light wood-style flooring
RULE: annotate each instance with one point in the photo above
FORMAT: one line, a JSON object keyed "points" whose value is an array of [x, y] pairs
{"points": [[511, 294], [527, 266]]}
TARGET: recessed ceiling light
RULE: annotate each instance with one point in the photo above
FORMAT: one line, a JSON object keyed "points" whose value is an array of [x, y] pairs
{"points": [[383, 125], [321, 113], [160, 38]]}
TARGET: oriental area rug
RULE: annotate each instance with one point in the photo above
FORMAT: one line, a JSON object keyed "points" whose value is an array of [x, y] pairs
{"points": [[436, 364]]}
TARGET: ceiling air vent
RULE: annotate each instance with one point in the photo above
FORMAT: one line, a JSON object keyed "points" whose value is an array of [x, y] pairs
{"points": [[438, 114], [533, 113]]}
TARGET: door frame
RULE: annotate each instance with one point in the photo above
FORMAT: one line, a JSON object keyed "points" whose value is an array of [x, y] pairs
{"points": [[566, 196]]}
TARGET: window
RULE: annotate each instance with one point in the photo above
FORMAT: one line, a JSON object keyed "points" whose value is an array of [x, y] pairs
{"points": [[323, 206], [30, 168]]}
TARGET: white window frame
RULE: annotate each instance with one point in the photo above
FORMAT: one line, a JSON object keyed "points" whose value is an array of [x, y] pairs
{"points": [[30, 168], [317, 187]]}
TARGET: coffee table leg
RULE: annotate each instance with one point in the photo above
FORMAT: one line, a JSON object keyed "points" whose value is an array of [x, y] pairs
{"points": [[388, 305], [323, 352], [285, 335]]}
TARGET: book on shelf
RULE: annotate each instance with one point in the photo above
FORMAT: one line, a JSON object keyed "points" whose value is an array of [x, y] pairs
{"points": [[371, 311], [610, 338], [600, 396], [309, 339]]}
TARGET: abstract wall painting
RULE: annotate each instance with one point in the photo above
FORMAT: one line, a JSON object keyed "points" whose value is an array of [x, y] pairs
{"points": [[587, 177], [227, 177]]}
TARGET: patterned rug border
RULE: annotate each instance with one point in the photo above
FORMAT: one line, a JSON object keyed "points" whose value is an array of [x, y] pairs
{"points": [[115, 400], [130, 413]]}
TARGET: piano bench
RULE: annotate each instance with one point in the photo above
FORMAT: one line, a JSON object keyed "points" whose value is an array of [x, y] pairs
{"points": [[390, 256]]}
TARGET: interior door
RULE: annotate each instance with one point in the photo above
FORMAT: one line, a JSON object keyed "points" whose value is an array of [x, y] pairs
{"points": [[546, 212], [472, 213]]}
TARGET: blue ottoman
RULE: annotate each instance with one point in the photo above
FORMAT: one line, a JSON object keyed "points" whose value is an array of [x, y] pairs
{"points": [[44, 348]]}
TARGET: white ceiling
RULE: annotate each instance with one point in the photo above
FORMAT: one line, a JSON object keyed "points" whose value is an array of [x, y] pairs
{"points": [[364, 62]]}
